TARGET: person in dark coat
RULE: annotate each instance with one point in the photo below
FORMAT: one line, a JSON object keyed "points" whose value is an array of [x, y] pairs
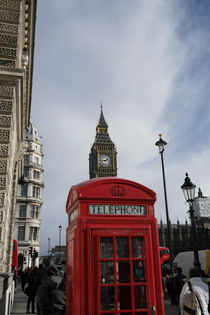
{"points": [[31, 291], [46, 296], [23, 279], [179, 283], [58, 298]]}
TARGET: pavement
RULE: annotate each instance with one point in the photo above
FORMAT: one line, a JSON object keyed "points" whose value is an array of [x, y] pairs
{"points": [[20, 300], [19, 307]]}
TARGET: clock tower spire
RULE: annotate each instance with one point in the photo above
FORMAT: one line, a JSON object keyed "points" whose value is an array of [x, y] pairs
{"points": [[103, 154]]}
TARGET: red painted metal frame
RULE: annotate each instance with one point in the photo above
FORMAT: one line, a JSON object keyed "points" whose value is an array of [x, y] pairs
{"points": [[83, 278]]}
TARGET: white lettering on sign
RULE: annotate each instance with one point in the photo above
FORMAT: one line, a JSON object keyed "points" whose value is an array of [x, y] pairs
{"points": [[117, 209]]}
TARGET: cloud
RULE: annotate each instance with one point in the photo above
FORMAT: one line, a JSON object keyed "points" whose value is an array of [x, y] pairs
{"points": [[148, 62]]}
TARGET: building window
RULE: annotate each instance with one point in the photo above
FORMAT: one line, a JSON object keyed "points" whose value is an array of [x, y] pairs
{"points": [[36, 174], [21, 233], [36, 160], [24, 190], [26, 158], [1, 216], [22, 212], [34, 212], [33, 233], [36, 191], [26, 172]]}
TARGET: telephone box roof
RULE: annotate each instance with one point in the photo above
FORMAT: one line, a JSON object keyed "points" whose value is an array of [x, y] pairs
{"points": [[107, 188]]}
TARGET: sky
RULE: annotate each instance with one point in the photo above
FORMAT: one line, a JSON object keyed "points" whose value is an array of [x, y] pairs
{"points": [[148, 62]]}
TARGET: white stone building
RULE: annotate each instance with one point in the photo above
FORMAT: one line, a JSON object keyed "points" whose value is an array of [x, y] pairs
{"points": [[29, 200], [17, 33]]}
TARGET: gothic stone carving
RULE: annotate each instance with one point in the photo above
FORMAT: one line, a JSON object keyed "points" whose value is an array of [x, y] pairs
{"points": [[5, 4], [5, 121], [6, 106], [4, 150], [9, 16], [4, 27], [2, 182], [2, 197], [7, 63], [3, 166], [4, 135], [6, 91]]}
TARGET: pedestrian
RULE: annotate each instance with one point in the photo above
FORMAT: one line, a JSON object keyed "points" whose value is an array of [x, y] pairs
{"points": [[179, 283], [58, 297], [199, 288], [43, 297], [23, 278], [31, 291]]}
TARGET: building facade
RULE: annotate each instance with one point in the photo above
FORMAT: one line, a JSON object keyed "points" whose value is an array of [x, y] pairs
{"points": [[17, 32], [103, 153], [29, 201]]}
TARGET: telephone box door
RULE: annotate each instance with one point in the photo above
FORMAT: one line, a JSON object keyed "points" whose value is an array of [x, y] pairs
{"points": [[123, 272]]}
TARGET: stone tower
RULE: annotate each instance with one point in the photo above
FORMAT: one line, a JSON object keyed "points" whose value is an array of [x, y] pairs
{"points": [[103, 154]]}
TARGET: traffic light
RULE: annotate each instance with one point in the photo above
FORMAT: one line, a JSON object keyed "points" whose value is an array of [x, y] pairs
{"points": [[35, 254], [30, 251]]}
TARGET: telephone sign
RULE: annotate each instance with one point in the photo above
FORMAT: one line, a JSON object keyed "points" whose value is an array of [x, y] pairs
{"points": [[117, 209]]}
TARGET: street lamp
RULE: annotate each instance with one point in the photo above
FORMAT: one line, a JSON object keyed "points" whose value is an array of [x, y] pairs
{"points": [[188, 189], [161, 144], [59, 252], [48, 246]]}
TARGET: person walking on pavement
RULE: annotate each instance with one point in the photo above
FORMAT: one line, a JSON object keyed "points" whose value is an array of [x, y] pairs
{"points": [[46, 302], [23, 278], [31, 291], [179, 283], [199, 288]]}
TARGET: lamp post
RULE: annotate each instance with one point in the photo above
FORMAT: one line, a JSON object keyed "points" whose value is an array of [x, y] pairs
{"points": [[48, 246], [59, 250], [161, 144], [188, 189]]}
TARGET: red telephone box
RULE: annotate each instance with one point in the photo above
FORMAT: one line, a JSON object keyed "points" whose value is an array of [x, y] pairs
{"points": [[113, 263]]}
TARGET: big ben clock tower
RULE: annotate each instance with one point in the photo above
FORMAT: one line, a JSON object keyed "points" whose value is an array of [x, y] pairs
{"points": [[103, 154]]}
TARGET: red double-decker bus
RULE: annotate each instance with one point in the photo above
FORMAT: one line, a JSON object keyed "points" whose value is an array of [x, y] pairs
{"points": [[164, 255], [15, 256]]}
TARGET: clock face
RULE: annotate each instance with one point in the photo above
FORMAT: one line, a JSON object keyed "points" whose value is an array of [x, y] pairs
{"points": [[104, 160]]}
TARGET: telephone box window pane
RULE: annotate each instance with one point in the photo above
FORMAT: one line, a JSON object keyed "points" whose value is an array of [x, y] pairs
{"points": [[140, 297], [137, 247], [107, 299], [107, 272], [138, 271], [124, 298], [122, 247], [106, 247], [123, 271]]}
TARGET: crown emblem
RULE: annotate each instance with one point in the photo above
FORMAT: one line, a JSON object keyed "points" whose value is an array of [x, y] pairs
{"points": [[118, 191]]}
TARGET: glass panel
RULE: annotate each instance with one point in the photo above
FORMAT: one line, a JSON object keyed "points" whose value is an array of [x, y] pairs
{"points": [[137, 247], [123, 269], [138, 271], [140, 297], [141, 313], [107, 299], [107, 272], [122, 247], [106, 247], [124, 297]]}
